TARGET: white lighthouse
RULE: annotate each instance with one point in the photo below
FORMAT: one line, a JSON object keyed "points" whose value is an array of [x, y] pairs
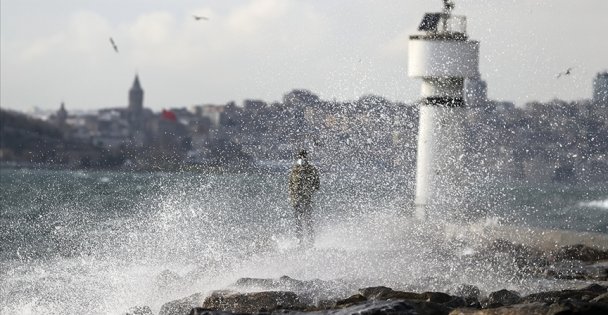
{"points": [[442, 56]]}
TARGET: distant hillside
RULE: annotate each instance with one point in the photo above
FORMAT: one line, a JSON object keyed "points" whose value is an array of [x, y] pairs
{"points": [[27, 138]]}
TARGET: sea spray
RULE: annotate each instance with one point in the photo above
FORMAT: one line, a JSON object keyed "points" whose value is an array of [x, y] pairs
{"points": [[74, 243]]}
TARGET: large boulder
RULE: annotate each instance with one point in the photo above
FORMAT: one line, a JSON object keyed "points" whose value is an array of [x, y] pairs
{"points": [[602, 298], [368, 307], [469, 293], [182, 306], [579, 252], [376, 308], [386, 293], [578, 307], [578, 270], [423, 303], [307, 290], [549, 297], [206, 311], [254, 302], [351, 300], [537, 308], [429, 308], [502, 298], [517, 309]]}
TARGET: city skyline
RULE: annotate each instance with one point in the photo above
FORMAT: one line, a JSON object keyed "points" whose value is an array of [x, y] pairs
{"points": [[262, 49]]}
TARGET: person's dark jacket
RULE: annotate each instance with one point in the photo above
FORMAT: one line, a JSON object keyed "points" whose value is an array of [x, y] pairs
{"points": [[303, 182]]}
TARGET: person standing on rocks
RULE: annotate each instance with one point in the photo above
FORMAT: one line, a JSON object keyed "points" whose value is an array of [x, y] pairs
{"points": [[303, 183]]}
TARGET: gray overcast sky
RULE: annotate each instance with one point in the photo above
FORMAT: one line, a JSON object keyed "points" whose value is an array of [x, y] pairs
{"points": [[53, 51]]}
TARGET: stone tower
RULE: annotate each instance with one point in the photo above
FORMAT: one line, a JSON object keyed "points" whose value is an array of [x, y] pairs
{"points": [[62, 115], [136, 107], [136, 96]]}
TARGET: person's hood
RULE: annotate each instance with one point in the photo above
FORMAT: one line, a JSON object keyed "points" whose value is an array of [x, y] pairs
{"points": [[301, 161]]}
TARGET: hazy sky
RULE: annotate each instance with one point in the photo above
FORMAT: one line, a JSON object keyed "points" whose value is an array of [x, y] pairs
{"points": [[53, 51]]}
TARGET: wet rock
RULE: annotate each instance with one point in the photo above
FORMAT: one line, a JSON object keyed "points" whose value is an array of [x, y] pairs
{"points": [[424, 303], [206, 311], [140, 310], [352, 300], [253, 302], [256, 283], [435, 283], [385, 293], [578, 270], [182, 306], [579, 252], [429, 308], [594, 287], [376, 308], [517, 309], [551, 297], [467, 291], [502, 298], [327, 304], [374, 292], [578, 307], [307, 290], [397, 307], [438, 297], [283, 283], [457, 301], [470, 294], [596, 272], [568, 270], [602, 298]]}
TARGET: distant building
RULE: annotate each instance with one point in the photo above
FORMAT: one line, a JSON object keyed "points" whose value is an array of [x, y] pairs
{"points": [[137, 116], [136, 108], [112, 128], [118, 127], [600, 88], [254, 105], [212, 112], [475, 92], [62, 115]]}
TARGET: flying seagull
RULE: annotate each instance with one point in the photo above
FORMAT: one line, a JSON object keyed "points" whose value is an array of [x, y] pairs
{"points": [[113, 44], [199, 17], [567, 72]]}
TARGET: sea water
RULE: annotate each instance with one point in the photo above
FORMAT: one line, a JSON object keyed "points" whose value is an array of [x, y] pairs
{"points": [[101, 242]]}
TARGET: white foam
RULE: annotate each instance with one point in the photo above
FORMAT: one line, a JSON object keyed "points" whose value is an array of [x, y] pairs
{"points": [[603, 204]]}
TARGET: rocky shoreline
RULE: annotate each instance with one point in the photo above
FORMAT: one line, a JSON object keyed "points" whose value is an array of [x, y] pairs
{"points": [[585, 265]]}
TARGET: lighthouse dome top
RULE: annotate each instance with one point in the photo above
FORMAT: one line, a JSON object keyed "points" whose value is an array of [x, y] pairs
{"points": [[444, 24]]}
